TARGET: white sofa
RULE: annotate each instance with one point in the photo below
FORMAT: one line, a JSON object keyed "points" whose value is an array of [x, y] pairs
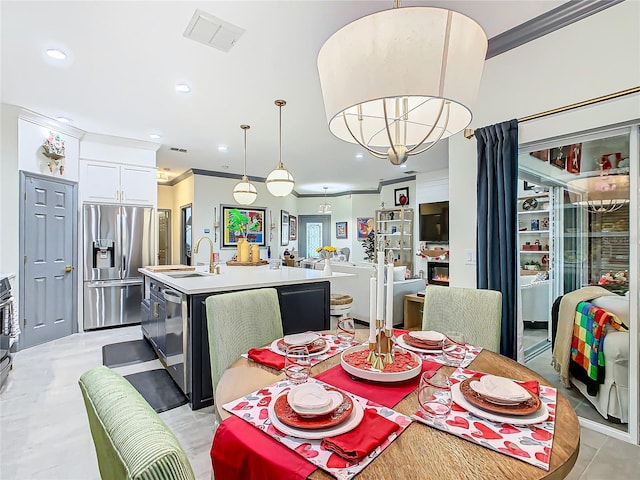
{"points": [[358, 287], [536, 305], [612, 399]]}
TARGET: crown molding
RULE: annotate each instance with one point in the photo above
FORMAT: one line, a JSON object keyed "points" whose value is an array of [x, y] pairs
{"points": [[120, 141], [46, 122], [548, 22]]}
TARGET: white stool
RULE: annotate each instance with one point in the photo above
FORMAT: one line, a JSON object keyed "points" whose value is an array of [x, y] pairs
{"points": [[340, 304]]}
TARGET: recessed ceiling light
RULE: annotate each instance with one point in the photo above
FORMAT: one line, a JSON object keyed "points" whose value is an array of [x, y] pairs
{"points": [[63, 119], [57, 54], [222, 148], [155, 136], [224, 167], [183, 88], [359, 156]]}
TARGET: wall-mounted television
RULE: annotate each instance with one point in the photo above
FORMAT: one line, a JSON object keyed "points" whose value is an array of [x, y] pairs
{"points": [[434, 222]]}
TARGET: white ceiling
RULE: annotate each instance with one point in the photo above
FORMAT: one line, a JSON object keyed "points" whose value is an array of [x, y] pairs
{"points": [[126, 57]]}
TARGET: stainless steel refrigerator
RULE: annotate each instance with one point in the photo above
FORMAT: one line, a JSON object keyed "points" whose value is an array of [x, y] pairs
{"points": [[118, 239]]}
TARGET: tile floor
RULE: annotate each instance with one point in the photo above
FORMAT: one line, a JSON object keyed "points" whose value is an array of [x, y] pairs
{"points": [[44, 432]]}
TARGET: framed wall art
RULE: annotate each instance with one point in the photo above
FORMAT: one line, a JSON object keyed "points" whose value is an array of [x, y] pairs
{"points": [[558, 157], [293, 227], [341, 230], [401, 196], [284, 227], [574, 157], [235, 227], [364, 227]]}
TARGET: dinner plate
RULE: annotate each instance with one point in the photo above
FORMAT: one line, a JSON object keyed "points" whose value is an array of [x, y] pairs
{"points": [[427, 336], [301, 338], [288, 416], [314, 347], [538, 417], [274, 348], [377, 375], [400, 341], [349, 424], [526, 407]]}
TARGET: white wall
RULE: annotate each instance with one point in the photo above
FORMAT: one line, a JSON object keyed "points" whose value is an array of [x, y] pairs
{"points": [[183, 194], [9, 189], [593, 57]]}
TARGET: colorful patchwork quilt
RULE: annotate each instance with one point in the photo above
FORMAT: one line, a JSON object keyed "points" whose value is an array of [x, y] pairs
{"points": [[587, 356]]}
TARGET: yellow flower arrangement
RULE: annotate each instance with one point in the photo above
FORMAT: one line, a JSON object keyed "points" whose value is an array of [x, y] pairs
{"points": [[326, 251]]}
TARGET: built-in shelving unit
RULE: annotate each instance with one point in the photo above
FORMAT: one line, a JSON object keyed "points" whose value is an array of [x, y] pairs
{"points": [[394, 232], [534, 228]]}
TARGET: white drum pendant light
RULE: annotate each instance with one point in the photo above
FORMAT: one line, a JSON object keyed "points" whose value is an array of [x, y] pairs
{"points": [[398, 81], [245, 192], [279, 182]]}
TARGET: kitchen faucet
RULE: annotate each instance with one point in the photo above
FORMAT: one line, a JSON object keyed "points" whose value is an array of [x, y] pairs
{"points": [[212, 265]]}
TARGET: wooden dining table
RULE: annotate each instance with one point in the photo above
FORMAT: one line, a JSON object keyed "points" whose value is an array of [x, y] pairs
{"points": [[422, 452]]}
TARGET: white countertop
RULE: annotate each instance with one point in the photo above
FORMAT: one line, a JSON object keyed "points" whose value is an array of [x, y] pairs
{"points": [[240, 278]]}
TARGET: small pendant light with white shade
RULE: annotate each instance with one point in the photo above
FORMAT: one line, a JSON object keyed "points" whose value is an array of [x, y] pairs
{"points": [[279, 182], [245, 192]]}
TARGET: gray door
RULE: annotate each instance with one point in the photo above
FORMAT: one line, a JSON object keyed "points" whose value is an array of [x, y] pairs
{"points": [[48, 240], [313, 231]]}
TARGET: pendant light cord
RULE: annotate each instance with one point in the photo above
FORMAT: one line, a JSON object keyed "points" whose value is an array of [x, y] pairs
{"points": [[280, 135], [245, 128]]}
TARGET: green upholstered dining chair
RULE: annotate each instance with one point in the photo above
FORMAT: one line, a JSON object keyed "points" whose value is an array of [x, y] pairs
{"points": [[476, 313], [240, 321], [130, 438]]}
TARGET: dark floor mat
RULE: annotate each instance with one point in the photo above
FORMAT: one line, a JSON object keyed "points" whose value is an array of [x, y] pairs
{"points": [[127, 353], [158, 389]]}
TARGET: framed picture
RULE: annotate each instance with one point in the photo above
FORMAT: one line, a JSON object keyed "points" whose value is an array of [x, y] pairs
{"points": [[255, 220], [293, 227], [574, 157], [365, 227], [401, 196], [541, 155], [558, 157], [341, 230], [284, 227]]}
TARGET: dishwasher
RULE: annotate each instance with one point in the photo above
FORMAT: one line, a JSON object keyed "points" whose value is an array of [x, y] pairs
{"points": [[176, 338]]}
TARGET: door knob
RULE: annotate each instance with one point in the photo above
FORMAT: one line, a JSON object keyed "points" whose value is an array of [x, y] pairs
{"points": [[68, 268]]}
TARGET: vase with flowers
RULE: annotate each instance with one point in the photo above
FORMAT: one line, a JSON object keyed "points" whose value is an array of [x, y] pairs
{"points": [[326, 252]]}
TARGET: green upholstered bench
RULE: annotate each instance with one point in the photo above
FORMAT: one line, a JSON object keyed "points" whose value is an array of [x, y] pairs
{"points": [[131, 440]]}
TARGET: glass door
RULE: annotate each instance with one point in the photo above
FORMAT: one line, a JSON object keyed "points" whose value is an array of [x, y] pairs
{"points": [[589, 308]]}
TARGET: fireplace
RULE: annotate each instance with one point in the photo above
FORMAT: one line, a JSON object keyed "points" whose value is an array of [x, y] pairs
{"points": [[438, 273]]}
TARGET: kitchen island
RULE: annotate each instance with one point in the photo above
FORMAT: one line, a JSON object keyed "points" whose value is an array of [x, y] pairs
{"points": [[174, 317]]}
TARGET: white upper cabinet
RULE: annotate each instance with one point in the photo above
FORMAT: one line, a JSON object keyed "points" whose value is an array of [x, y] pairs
{"points": [[114, 183]]}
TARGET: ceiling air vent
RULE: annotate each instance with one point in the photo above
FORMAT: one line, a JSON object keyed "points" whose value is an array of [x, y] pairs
{"points": [[212, 31], [410, 172], [176, 149]]}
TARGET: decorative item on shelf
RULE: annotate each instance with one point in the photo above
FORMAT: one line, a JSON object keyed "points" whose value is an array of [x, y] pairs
{"points": [[544, 224], [530, 204], [245, 192], [53, 148], [604, 193], [535, 224], [280, 182], [325, 207], [380, 99], [532, 265]]}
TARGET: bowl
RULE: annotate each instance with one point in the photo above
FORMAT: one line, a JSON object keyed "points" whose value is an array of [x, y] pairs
{"points": [[321, 401], [301, 338], [377, 375], [427, 336]]}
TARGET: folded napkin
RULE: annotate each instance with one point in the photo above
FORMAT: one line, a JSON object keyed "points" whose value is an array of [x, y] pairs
{"points": [[362, 440], [242, 452], [386, 394], [532, 385], [266, 357]]}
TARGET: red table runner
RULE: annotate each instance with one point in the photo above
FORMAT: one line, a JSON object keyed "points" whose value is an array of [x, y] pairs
{"points": [[386, 394]]}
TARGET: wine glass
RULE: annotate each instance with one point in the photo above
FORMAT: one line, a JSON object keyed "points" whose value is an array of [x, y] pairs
{"points": [[297, 364], [346, 330], [434, 394], [454, 349]]}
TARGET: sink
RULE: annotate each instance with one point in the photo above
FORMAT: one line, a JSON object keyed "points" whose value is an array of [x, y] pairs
{"points": [[186, 274]]}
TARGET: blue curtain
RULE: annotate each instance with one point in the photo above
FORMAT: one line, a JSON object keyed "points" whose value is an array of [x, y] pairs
{"points": [[497, 250]]}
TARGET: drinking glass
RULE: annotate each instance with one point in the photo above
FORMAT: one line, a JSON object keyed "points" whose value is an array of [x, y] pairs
{"points": [[346, 331], [297, 364], [434, 394], [454, 349]]}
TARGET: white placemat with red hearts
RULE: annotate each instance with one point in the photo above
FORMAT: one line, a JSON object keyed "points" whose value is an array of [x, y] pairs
{"points": [[253, 408], [335, 346], [531, 444]]}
